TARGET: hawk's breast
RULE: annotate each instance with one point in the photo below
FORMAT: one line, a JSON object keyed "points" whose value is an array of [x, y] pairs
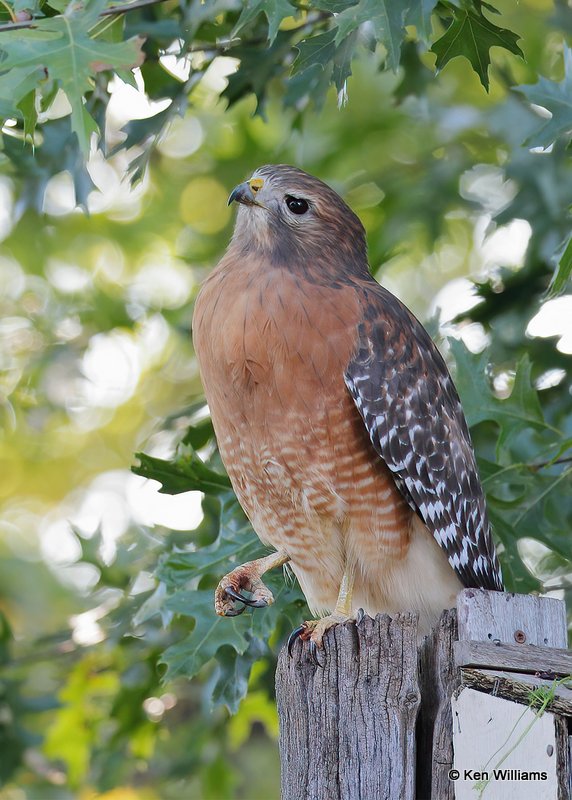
{"points": [[273, 350]]}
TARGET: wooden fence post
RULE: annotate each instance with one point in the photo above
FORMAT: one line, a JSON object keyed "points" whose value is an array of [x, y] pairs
{"points": [[348, 727], [384, 718], [439, 678]]}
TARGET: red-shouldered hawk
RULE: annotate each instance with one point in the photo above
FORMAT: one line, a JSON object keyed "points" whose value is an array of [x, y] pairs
{"points": [[336, 417]]}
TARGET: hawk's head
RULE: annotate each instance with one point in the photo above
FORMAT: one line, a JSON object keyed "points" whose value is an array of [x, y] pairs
{"points": [[296, 220]]}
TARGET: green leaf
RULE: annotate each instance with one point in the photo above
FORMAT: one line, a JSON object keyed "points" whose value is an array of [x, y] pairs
{"points": [[15, 86], [343, 64], [543, 509], [259, 64], [199, 434], [333, 6], [201, 645], [274, 10], [313, 83], [27, 106], [6, 637], [210, 633], [521, 411], [387, 18], [319, 61], [182, 575], [140, 131], [31, 6], [561, 277], [516, 576], [527, 497], [196, 14], [59, 151], [555, 97], [154, 604], [419, 14], [472, 35], [416, 76], [315, 51], [186, 473], [229, 682], [62, 46], [235, 544]]}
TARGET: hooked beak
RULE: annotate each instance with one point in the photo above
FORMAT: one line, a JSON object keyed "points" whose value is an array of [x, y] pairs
{"points": [[244, 194]]}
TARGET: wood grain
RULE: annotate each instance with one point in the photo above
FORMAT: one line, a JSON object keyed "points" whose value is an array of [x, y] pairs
{"points": [[438, 678], [563, 761], [514, 658], [517, 687], [501, 616], [374, 721], [347, 728]]}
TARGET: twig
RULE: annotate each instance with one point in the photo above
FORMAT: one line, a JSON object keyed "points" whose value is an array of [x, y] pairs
{"points": [[536, 467], [108, 12], [541, 496], [9, 10], [523, 465], [112, 10]]}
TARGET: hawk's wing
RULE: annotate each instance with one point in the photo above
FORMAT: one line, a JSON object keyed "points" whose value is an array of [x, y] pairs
{"points": [[407, 400]]}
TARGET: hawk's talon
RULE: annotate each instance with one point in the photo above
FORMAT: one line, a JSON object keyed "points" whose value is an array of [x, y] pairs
{"points": [[245, 578], [302, 632], [260, 603], [314, 630], [235, 595], [313, 648], [296, 633], [360, 616]]}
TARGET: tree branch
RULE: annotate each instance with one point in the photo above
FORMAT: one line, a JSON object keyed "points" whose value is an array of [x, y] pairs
{"points": [[536, 467], [109, 12]]}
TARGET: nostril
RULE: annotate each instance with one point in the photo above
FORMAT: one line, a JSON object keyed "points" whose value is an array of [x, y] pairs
{"points": [[255, 184]]}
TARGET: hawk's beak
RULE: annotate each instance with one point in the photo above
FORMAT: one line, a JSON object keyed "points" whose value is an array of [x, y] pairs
{"points": [[245, 193], [242, 194]]}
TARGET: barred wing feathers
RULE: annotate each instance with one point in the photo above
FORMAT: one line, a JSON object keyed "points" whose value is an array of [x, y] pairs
{"points": [[407, 400]]}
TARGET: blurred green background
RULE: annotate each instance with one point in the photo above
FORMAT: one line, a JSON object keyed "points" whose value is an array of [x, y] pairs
{"points": [[97, 363]]}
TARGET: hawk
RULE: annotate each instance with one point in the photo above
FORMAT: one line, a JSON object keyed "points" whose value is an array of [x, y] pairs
{"points": [[336, 417]]}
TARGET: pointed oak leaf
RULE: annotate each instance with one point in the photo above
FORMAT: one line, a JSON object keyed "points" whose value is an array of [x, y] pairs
{"points": [[185, 473], [561, 277], [63, 47], [387, 19], [555, 97], [274, 11], [472, 35]]}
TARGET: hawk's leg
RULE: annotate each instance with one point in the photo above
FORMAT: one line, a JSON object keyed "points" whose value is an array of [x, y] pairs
{"points": [[247, 578], [313, 630]]}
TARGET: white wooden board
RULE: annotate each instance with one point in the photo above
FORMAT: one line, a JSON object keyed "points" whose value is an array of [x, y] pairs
{"points": [[511, 618], [515, 749]]}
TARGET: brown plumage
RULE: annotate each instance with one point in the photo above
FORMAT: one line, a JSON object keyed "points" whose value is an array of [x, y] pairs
{"points": [[335, 415]]}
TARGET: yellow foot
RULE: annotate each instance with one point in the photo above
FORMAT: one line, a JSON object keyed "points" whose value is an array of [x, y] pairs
{"points": [[313, 630], [232, 587]]}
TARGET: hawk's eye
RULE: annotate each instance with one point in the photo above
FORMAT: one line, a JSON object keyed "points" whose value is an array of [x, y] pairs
{"points": [[297, 205]]}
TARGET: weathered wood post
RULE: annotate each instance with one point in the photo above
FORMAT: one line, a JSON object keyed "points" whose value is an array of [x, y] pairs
{"points": [[348, 727], [384, 718]]}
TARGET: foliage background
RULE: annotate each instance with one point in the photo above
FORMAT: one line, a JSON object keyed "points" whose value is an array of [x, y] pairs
{"points": [[105, 584]]}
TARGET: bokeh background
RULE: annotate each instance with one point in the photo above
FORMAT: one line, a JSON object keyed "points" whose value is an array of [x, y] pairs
{"points": [[97, 364]]}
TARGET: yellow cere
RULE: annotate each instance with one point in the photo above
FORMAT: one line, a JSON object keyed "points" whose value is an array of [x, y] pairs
{"points": [[256, 184]]}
